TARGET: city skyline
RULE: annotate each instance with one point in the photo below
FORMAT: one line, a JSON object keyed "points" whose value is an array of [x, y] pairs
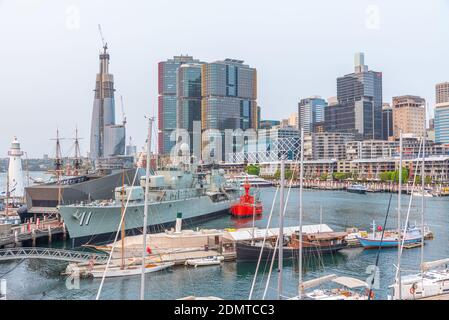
{"points": [[286, 71]]}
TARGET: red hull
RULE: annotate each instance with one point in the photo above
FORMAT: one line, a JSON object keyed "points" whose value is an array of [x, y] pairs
{"points": [[245, 208], [242, 210]]}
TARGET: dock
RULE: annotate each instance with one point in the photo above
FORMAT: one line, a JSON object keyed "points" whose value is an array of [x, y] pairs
{"points": [[32, 233]]}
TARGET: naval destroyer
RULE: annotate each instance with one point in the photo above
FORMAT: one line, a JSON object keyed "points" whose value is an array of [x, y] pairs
{"points": [[198, 196]]}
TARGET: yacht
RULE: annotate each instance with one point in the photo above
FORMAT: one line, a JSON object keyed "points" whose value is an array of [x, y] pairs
{"points": [[253, 180], [357, 188]]}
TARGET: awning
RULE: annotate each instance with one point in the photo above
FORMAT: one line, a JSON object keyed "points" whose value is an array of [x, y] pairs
{"points": [[433, 264], [349, 282]]}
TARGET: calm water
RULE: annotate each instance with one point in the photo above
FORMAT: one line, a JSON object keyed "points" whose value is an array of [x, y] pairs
{"points": [[35, 279]]}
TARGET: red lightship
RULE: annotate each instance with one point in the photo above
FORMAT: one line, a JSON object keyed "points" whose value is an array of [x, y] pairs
{"points": [[248, 206]]}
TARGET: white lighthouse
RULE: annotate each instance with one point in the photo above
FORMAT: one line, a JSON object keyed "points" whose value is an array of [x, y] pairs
{"points": [[15, 174]]}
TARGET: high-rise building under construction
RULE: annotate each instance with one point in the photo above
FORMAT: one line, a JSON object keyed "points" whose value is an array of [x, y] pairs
{"points": [[107, 138]]}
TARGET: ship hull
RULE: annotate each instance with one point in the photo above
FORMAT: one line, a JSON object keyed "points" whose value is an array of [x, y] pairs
{"points": [[385, 243], [95, 225], [247, 252]]}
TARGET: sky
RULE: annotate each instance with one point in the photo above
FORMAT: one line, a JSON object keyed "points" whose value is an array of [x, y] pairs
{"points": [[49, 55]]}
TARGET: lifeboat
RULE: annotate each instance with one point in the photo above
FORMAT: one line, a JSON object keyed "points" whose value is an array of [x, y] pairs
{"points": [[247, 206]]}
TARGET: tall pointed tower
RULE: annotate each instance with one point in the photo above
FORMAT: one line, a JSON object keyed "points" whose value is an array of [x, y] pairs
{"points": [[15, 173], [104, 107]]}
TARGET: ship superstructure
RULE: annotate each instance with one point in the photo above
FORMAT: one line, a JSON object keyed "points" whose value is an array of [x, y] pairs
{"points": [[198, 196]]}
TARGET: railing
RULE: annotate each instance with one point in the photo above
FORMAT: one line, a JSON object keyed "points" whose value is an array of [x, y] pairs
{"points": [[51, 254]]}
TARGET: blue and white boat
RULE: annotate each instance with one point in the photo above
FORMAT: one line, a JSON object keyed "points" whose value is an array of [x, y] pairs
{"points": [[409, 235], [357, 188]]}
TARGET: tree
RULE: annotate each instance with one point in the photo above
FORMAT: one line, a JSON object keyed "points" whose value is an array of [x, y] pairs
{"points": [[428, 180], [386, 176], [323, 177], [253, 169], [417, 179], [340, 176]]}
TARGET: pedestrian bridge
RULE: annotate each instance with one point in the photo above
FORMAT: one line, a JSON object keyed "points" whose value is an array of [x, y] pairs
{"points": [[52, 254]]}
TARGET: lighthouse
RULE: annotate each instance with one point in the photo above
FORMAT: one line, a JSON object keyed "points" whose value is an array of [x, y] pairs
{"points": [[15, 174]]}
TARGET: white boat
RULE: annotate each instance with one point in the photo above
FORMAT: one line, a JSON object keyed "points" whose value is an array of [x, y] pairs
{"points": [[253, 180], [421, 286], [208, 261], [349, 289], [427, 193], [131, 270]]}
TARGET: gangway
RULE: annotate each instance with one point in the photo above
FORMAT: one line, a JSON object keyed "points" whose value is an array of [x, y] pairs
{"points": [[52, 254]]}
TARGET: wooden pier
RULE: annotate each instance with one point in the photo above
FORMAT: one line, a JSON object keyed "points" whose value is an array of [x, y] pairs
{"points": [[33, 233]]}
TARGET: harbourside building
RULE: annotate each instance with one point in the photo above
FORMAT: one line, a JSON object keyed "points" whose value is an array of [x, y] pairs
{"points": [[107, 141], [330, 145], [409, 115], [370, 149]]}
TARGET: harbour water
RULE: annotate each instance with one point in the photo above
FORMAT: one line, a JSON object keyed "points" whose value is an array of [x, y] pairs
{"points": [[33, 279]]}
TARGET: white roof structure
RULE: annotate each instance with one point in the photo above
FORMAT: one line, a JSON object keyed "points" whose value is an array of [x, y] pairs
{"points": [[350, 283], [247, 233]]}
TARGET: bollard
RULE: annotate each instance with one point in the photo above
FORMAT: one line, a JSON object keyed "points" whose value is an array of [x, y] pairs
{"points": [[33, 237], [3, 289], [16, 236], [64, 232], [49, 234]]}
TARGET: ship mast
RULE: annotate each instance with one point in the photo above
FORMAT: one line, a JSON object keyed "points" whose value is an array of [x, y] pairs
{"points": [[58, 162], [145, 210], [123, 218], [77, 162]]}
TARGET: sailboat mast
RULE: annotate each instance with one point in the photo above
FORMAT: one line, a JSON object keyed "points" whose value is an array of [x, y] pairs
{"points": [[399, 217], [281, 228], [145, 210], [423, 173], [301, 182]]}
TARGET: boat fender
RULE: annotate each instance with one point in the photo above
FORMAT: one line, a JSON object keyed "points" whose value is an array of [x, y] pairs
{"points": [[413, 288]]}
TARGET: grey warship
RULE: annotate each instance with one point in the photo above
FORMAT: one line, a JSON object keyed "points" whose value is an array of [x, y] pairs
{"points": [[198, 196]]}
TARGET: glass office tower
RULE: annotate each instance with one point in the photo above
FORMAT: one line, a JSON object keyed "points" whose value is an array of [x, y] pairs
{"points": [[167, 100]]}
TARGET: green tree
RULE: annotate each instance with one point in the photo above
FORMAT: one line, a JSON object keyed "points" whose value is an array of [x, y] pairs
{"points": [[428, 180], [323, 177], [340, 176], [253, 169], [417, 179]]}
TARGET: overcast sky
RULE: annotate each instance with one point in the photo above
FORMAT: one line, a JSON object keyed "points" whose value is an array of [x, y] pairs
{"points": [[49, 54]]}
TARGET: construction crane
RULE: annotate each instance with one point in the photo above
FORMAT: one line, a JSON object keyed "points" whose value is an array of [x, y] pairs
{"points": [[123, 110], [105, 44]]}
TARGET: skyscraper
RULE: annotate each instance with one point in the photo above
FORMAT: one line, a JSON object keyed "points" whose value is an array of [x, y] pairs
{"points": [[441, 122], [311, 112], [188, 97], [387, 121], [168, 101], [360, 93], [229, 90], [409, 115], [442, 92], [107, 138]]}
